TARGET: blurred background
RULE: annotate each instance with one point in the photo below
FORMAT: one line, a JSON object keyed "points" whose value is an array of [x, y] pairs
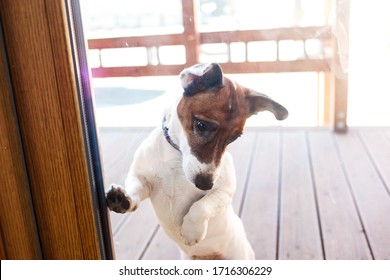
{"points": [[303, 191], [296, 57]]}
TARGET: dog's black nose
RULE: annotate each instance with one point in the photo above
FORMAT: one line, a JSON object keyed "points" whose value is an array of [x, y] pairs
{"points": [[204, 182]]}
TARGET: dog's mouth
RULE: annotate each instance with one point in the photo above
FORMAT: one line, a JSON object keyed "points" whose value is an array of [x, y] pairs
{"points": [[204, 182]]}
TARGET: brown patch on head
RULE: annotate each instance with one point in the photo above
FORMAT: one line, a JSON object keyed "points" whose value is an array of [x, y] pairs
{"points": [[213, 112], [214, 256], [213, 119]]}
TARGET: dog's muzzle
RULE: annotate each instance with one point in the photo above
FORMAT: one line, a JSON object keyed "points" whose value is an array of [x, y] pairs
{"points": [[204, 182]]}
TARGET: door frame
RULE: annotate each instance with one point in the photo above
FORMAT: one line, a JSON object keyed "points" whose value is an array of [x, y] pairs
{"points": [[62, 221]]}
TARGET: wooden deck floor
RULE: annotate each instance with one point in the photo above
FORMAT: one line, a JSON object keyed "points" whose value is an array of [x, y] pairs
{"points": [[303, 193]]}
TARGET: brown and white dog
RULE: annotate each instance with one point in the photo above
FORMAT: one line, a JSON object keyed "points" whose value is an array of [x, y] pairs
{"points": [[186, 172]]}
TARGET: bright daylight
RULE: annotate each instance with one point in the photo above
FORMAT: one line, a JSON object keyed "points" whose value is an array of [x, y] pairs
{"points": [[313, 185]]}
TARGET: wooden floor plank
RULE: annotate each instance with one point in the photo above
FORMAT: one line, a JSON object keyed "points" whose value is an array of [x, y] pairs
{"points": [[260, 210], [370, 194], [162, 248], [342, 231], [241, 151], [299, 226], [118, 146], [112, 141], [378, 145], [310, 171], [134, 234], [118, 160]]}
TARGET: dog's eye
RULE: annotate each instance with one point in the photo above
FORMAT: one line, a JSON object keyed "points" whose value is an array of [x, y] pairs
{"points": [[201, 126], [204, 128]]}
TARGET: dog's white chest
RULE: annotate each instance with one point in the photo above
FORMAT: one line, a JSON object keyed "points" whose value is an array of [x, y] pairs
{"points": [[172, 196]]}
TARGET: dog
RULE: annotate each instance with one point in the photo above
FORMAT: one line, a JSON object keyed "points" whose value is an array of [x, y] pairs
{"points": [[187, 173]]}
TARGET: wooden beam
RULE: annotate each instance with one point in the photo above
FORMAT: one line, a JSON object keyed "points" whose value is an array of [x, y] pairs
{"points": [[18, 235], [314, 65], [293, 33], [137, 41], [137, 71], [48, 110], [277, 34], [192, 37], [340, 66]]}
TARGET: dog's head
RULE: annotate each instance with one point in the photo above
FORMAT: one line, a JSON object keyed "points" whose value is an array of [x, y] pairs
{"points": [[213, 112]]}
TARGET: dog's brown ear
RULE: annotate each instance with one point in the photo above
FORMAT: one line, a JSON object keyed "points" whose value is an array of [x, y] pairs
{"points": [[258, 102], [201, 78]]}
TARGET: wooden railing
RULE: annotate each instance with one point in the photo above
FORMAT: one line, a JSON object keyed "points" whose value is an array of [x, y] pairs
{"points": [[192, 40], [319, 64]]}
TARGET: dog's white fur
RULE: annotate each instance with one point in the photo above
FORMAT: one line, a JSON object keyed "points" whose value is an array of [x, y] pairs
{"points": [[199, 219], [202, 223]]}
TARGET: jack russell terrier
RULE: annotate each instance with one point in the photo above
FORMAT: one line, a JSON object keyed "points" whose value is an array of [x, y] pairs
{"points": [[186, 172]]}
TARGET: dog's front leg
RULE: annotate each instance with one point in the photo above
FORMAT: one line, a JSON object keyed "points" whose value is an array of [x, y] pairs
{"points": [[137, 188], [195, 223], [122, 200]]}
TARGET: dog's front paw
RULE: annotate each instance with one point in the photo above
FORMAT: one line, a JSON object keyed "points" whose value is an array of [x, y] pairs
{"points": [[193, 232], [117, 199]]}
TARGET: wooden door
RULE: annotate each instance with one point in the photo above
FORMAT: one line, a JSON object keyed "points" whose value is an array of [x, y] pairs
{"points": [[43, 108]]}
